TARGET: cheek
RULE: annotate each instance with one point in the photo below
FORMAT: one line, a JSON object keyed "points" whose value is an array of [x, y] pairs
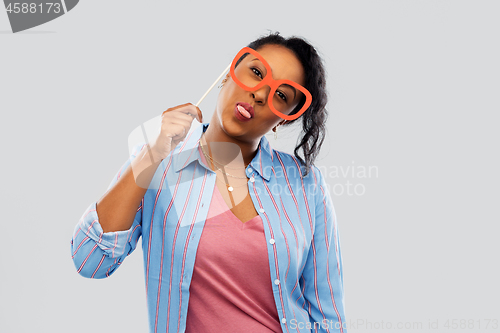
{"points": [[230, 93], [226, 95], [231, 88], [225, 92]]}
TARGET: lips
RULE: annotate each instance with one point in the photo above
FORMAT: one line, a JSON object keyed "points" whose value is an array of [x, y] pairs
{"points": [[248, 108]]}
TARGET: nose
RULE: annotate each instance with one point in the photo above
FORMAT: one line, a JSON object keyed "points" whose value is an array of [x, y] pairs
{"points": [[260, 96]]}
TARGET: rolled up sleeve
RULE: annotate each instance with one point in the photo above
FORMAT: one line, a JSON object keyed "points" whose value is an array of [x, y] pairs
{"points": [[97, 254]]}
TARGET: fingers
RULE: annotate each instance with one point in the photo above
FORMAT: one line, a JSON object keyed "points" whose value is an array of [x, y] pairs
{"points": [[182, 122], [175, 125], [175, 135], [177, 107], [200, 115], [179, 133], [188, 118], [188, 109]]}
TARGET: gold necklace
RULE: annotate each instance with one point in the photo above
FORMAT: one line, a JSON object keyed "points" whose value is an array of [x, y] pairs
{"points": [[213, 160], [226, 173], [229, 187]]}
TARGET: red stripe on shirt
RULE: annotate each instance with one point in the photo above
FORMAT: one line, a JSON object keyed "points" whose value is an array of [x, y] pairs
{"points": [[83, 263]]}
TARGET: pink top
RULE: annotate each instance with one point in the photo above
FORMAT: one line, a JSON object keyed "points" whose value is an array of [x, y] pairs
{"points": [[231, 288]]}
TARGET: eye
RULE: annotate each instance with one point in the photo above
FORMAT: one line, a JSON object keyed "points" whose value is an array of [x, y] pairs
{"points": [[281, 95], [257, 72]]}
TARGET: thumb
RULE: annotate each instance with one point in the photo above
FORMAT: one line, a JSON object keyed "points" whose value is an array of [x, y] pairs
{"points": [[200, 115]]}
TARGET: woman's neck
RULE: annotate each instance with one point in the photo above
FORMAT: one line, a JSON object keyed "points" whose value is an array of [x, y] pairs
{"points": [[226, 150]]}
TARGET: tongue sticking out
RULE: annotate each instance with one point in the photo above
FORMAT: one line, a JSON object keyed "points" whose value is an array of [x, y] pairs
{"points": [[244, 112]]}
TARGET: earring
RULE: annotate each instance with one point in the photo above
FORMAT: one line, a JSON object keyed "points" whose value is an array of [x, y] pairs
{"points": [[222, 83], [276, 132]]}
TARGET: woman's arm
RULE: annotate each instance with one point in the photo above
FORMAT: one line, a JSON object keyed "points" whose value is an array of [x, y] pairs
{"points": [[118, 206], [98, 251], [110, 228], [323, 272]]}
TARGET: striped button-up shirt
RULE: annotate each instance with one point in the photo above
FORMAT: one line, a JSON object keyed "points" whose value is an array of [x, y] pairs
{"points": [[300, 225]]}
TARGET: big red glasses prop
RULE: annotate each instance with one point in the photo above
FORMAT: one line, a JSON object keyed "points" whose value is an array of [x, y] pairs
{"points": [[250, 71]]}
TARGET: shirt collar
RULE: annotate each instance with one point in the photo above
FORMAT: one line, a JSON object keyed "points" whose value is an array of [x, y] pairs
{"points": [[188, 152]]}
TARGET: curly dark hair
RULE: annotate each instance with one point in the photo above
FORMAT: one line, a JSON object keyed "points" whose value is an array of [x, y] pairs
{"points": [[315, 117]]}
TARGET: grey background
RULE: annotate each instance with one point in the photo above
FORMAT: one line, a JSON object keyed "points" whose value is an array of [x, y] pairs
{"points": [[413, 89]]}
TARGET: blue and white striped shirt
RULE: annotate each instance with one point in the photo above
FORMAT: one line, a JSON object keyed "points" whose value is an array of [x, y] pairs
{"points": [[300, 227]]}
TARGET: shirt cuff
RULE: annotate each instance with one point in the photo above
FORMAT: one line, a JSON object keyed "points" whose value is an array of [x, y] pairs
{"points": [[111, 243]]}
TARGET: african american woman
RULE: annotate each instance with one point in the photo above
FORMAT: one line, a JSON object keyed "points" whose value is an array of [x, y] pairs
{"points": [[236, 236]]}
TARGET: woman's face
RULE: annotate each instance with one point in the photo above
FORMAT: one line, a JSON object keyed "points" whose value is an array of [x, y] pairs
{"points": [[284, 65]]}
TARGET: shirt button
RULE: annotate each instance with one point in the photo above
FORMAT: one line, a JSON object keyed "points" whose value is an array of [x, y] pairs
{"points": [[252, 179], [283, 321], [276, 282], [271, 241], [249, 169], [261, 210]]}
